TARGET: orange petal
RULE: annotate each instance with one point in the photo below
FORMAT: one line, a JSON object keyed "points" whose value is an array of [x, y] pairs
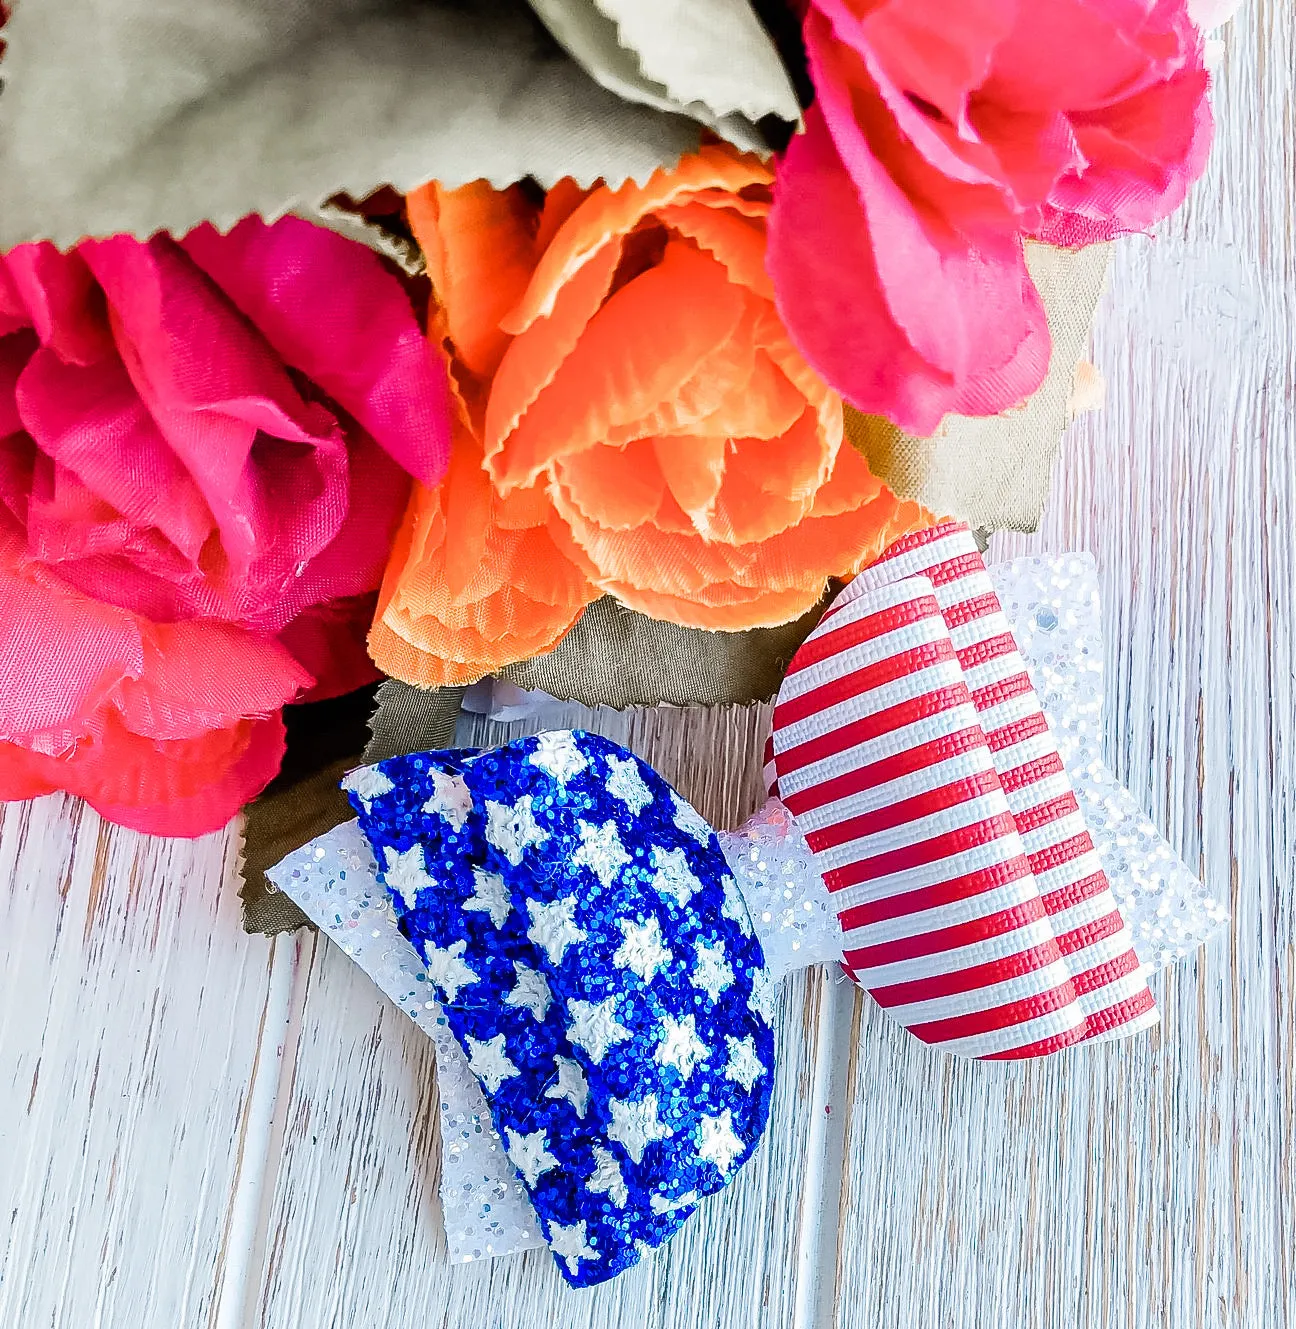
{"points": [[620, 487], [738, 244], [616, 212], [694, 467]]}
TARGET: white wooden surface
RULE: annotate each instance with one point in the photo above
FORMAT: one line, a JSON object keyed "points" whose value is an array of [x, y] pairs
{"points": [[198, 1128]]}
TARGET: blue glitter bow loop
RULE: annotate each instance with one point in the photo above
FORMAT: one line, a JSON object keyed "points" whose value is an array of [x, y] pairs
{"points": [[597, 964]]}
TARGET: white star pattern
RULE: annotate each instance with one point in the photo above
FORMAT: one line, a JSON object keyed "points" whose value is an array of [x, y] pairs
{"points": [[531, 991], [593, 1025], [627, 784], [642, 951], [718, 1144], [571, 1085], [665, 1204], [406, 873], [674, 877], [735, 907], [635, 1125], [450, 799], [559, 756], [446, 968], [680, 1045], [712, 973], [367, 784], [490, 896], [601, 851], [607, 1179], [689, 822], [570, 1245], [764, 994], [489, 1062], [553, 926], [529, 1154], [744, 1066], [511, 828]]}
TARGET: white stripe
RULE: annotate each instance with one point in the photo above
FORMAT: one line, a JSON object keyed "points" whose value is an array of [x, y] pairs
{"points": [[915, 562], [970, 812], [1024, 706], [986, 627], [863, 596], [988, 950], [921, 632], [1032, 984], [1069, 874], [990, 673], [1007, 896], [1034, 795], [1081, 914], [1054, 833], [1069, 1017]]}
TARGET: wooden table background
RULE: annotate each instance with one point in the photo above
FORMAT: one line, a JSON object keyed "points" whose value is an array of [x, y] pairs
{"points": [[198, 1128]]}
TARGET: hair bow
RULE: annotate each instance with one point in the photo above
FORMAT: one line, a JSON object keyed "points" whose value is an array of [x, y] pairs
{"points": [[597, 965], [910, 745]]}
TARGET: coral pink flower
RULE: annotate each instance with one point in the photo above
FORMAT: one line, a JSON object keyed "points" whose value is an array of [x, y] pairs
{"points": [[943, 132], [205, 448]]}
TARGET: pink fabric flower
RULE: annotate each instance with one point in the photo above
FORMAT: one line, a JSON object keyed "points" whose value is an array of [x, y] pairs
{"points": [[205, 448], [943, 132]]}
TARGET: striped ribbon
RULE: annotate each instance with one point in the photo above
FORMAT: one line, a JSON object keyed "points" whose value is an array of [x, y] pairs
{"points": [[910, 745]]}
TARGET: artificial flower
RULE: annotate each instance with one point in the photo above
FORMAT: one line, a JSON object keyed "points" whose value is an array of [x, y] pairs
{"points": [[214, 436], [632, 420], [942, 133]]}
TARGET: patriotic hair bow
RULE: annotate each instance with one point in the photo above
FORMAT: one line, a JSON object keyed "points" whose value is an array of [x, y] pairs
{"points": [[910, 746], [597, 966]]}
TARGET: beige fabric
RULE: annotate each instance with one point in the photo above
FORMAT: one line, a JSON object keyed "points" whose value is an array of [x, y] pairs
{"points": [[709, 59], [140, 115], [995, 472]]}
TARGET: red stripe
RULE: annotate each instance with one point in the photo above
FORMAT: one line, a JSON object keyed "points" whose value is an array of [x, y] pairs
{"points": [[876, 773], [971, 979], [1017, 731], [1081, 938], [1031, 772], [1129, 1009], [1053, 809], [1073, 893], [956, 889], [972, 1023], [865, 678], [907, 810], [949, 938], [1057, 855], [823, 646], [918, 855], [971, 609], [839, 740], [1044, 1047], [982, 652], [917, 539], [995, 694]]}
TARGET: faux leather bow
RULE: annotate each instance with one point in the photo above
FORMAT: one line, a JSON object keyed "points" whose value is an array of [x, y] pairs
{"points": [[597, 965], [910, 745]]}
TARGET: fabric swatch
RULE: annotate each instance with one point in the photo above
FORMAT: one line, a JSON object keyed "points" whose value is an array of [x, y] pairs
{"points": [[139, 115]]}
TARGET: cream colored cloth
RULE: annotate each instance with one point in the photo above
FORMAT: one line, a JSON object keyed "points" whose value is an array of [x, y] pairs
{"points": [[141, 115]]}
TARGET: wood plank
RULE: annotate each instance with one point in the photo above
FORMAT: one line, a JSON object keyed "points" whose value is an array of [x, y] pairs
{"points": [[132, 1012], [355, 1229], [1150, 1183]]}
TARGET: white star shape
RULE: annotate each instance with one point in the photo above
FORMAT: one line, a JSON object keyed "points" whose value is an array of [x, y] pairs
{"points": [[450, 799], [490, 896], [712, 973], [680, 1045], [689, 822], [674, 877], [511, 828], [665, 1204], [559, 756], [642, 951], [635, 1125], [529, 1154], [406, 873], [367, 784], [553, 926], [571, 1085], [530, 991], [607, 1179], [744, 1066], [570, 1245], [489, 1061], [593, 1025], [717, 1142], [735, 906], [764, 994], [627, 784], [446, 968], [601, 851]]}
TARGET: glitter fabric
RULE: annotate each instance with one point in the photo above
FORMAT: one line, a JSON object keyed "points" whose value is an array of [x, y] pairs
{"points": [[596, 963], [1052, 605]]}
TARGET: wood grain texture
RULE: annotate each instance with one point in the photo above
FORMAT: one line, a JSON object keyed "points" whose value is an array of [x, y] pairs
{"points": [[199, 1130]]}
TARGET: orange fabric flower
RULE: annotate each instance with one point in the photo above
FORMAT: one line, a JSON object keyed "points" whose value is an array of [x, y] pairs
{"points": [[633, 420]]}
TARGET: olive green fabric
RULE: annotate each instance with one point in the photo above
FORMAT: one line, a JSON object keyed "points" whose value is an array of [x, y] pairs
{"points": [[144, 115]]}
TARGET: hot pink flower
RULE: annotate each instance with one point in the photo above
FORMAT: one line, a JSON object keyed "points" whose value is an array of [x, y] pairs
{"points": [[205, 447], [943, 132]]}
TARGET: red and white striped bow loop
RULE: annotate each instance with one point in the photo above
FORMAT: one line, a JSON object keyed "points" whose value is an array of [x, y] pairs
{"points": [[912, 749]]}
